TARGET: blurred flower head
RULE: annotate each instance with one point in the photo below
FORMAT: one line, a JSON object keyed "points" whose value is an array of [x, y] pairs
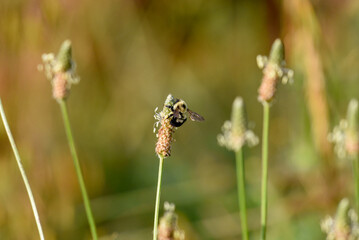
{"points": [[235, 133], [168, 228], [60, 70], [273, 71], [345, 136], [344, 226]]}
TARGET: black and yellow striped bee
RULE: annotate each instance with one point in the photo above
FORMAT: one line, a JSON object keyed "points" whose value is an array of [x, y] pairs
{"points": [[179, 113]]}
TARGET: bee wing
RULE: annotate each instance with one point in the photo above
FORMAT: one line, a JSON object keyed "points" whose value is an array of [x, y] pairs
{"points": [[195, 116]]}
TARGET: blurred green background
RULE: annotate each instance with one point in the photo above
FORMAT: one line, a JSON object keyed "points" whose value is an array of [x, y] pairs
{"points": [[130, 55]]}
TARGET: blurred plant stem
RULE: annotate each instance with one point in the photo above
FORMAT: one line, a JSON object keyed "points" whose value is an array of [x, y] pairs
{"points": [[78, 168], [22, 171], [356, 181], [306, 40], [242, 193], [352, 143], [264, 197], [234, 135], [158, 195]]}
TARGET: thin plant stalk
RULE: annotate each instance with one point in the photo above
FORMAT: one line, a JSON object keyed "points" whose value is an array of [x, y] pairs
{"points": [[85, 197], [158, 195], [264, 196], [356, 181], [22, 171], [242, 193]]}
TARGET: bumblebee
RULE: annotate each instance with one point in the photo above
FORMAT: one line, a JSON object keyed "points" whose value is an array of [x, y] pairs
{"points": [[180, 112]]}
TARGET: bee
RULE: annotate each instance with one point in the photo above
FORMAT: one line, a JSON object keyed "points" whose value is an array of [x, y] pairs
{"points": [[180, 112]]}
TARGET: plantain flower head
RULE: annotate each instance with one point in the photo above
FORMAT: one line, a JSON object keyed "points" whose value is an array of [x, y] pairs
{"points": [[168, 227], [166, 130], [344, 226], [345, 136], [273, 71], [60, 70], [234, 132]]}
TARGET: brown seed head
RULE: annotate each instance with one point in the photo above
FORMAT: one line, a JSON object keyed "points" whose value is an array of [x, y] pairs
{"points": [[60, 89], [165, 133], [165, 138], [268, 86]]}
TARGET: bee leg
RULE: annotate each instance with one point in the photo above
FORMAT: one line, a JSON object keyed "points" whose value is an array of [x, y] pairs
{"points": [[170, 115], [170, 107]]}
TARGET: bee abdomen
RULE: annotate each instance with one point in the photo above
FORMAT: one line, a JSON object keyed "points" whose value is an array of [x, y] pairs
{"points": [[177, 122]]}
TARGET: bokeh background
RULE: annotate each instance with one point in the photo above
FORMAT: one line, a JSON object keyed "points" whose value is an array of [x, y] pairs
{"points": [[130, 55]]}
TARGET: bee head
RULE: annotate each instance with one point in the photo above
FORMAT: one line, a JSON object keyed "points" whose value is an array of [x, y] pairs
{"points": [[180, 105]]}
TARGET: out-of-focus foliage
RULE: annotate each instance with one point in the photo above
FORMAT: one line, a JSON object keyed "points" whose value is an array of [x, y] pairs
{"points": [[130, 55]]}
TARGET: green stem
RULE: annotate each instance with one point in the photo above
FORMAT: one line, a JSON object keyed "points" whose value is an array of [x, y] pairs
{"points": [[78, 169], [264, 197], [22, 171], [356, 181], [242, 193], [158, 195]]}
